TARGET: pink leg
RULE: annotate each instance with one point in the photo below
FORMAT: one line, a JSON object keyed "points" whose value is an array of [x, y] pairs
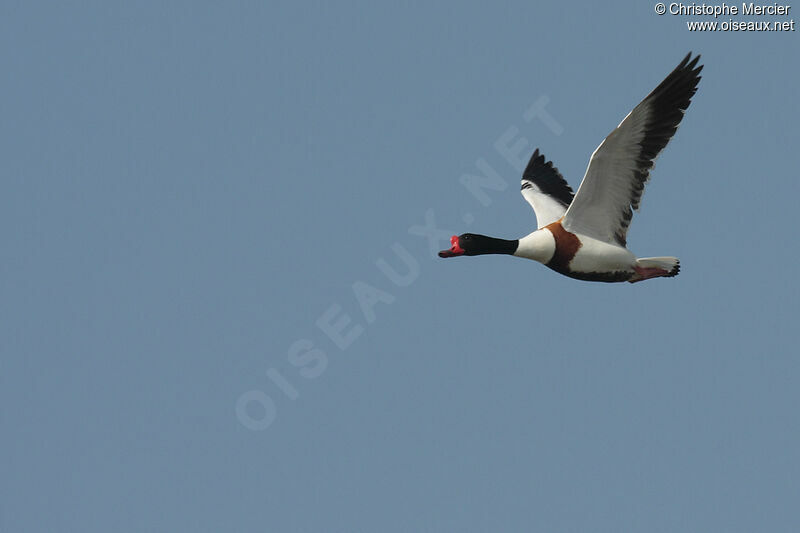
{"points": [[643, 273]]}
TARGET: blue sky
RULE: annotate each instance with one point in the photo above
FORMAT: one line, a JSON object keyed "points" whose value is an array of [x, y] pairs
{"points": [[191, 191]]}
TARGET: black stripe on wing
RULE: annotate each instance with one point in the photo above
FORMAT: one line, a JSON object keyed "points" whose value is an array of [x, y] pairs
{"points": [[667, 103], [547, 179]]}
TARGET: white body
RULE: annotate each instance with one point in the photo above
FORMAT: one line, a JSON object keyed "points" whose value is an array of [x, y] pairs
{"points": [[592, 256]]}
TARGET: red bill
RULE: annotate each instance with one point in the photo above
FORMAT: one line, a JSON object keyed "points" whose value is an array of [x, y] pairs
{"points": [[455, 249]]}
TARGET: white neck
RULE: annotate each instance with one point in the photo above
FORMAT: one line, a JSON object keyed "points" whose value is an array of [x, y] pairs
{"points": [[539, 246]]}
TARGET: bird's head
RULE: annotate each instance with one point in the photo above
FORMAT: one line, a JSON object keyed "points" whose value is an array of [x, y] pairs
{"points": [[468, 244]]}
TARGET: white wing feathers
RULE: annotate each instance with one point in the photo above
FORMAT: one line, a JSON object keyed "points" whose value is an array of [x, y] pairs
{"points": [[620, 166], [545, 189]]}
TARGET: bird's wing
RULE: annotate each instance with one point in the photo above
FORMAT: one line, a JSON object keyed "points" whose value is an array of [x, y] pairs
{"points": [[545, 189], [620, 166]]}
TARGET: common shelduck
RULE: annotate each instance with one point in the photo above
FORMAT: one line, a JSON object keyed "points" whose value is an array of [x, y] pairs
{"points": [[583, 235]]}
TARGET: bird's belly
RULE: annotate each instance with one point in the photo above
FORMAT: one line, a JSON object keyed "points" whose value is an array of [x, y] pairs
{"points": [[601, 261], [586, 258], [594, 254]]}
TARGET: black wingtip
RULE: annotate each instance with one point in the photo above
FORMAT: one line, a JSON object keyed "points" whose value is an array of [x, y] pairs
{"points": [[547, 178], [691, 65], [536, 161]]}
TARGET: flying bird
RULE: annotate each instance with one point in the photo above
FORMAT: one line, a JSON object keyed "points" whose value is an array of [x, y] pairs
{"points": [[583, 235]]}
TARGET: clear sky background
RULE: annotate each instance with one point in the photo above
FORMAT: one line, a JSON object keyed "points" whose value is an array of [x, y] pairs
{"points": [[188, 187]]}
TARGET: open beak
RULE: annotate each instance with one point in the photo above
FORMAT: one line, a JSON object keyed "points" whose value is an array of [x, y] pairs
{"points": [[455, 250]]}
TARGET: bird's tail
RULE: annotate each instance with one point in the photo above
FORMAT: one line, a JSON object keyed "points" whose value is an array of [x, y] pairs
{"points": [[655, 267]]}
